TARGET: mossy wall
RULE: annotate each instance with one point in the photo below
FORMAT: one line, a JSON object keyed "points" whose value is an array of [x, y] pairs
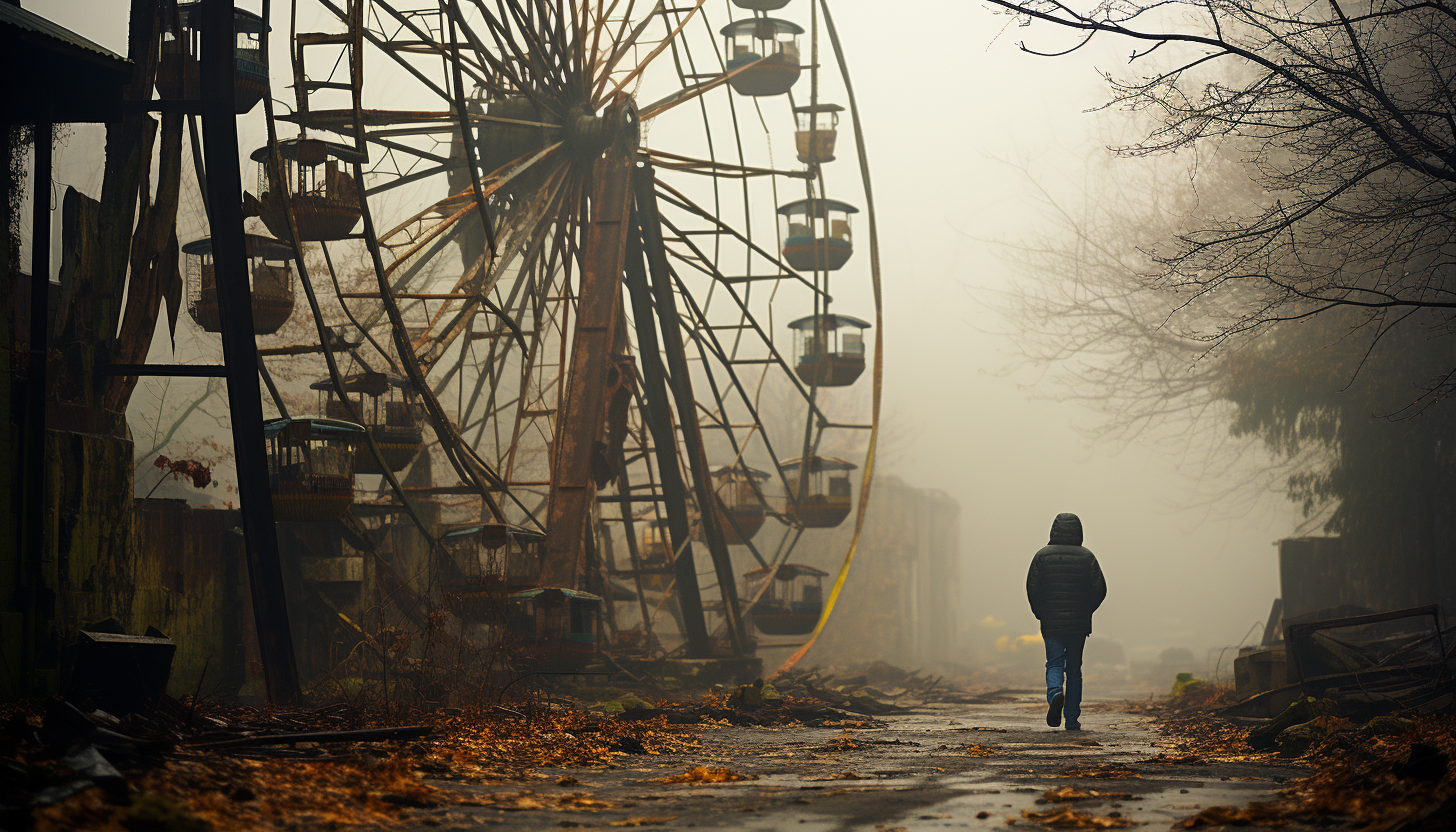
{"points": [[191, 581]]}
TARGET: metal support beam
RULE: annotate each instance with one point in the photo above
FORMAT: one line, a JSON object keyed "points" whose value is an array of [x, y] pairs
{"points": [[240, 352], [32, 538], [687, 410], [583, 415], [657, 414]]}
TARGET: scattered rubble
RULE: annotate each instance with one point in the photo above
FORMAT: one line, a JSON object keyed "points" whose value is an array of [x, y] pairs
{"points": [[1372, 764], [874, 689]]}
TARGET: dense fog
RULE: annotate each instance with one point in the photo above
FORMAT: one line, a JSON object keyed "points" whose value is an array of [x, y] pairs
{"points": [[975, 147]]}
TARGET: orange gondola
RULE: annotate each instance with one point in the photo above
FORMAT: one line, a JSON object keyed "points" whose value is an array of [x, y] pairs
{"points": [[741, 511], [764, 52], [325, 199], [817, 236], [818, 128]]}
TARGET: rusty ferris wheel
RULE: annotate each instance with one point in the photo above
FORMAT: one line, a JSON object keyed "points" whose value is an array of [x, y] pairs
{"points": [[583, 256]]}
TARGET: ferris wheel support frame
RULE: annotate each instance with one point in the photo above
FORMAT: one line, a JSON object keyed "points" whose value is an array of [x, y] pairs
{"points": [[583, 415], [656, 414], [240, 356], [682, 389]]}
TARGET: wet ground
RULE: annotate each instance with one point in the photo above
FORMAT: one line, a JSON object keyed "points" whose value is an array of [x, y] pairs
{"points": [[944, 767]]}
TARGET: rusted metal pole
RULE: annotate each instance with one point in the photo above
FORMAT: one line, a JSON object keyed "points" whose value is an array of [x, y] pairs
{"points": [[240, 351], [32, 541], [579, 428], [645, 184], [657, 413]]}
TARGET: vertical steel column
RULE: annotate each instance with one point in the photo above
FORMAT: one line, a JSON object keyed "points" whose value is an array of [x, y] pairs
{"points": [[240, 351], [583, 411], [687, 410], [657, 413], [32, 541]]}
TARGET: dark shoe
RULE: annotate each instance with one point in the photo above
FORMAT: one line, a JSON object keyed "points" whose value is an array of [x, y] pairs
{"points": [[1054, 710], [1073, 726]]}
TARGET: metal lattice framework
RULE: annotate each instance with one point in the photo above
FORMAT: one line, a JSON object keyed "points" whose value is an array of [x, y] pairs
{"points": [[586, 292]]}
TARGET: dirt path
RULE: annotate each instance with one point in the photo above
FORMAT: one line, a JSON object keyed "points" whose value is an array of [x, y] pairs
{"points": [[939, 768]]}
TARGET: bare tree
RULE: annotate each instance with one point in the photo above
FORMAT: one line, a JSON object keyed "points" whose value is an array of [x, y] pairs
{"points": [[1313, 311], [1345, 115]]}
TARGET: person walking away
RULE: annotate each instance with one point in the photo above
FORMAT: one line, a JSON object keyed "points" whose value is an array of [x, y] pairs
{"points": [[1065, 586]]}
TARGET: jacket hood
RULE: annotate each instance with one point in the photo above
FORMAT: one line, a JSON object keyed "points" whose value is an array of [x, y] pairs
{"points": [[1066, 530]]}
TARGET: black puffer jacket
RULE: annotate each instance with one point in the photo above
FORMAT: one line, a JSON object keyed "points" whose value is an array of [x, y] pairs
{"points": [[1065, 584]]}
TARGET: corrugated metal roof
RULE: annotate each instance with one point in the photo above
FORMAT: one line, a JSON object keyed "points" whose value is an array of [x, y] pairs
{"points": [[32, 22]]}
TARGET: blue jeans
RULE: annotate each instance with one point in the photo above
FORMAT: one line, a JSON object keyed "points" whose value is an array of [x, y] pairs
{"points": [[1064, 673]]}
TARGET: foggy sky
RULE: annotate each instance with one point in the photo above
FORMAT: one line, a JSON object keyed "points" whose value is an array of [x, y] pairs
{"points": [[947, 101]]}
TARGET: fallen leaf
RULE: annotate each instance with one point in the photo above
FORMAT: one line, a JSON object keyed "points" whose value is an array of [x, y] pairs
{"points": [[1073, 819], [1070, 793], [1108, 772], [654, 821], [703, 774]]}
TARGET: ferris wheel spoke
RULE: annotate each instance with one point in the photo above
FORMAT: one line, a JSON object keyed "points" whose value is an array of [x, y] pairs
{"points": [[677, 198], [525, 298], [693, 91], [651, 56], [616, 42], [536, 48], [425, 44], [699, 325], [380, 43], [413, 151], [443, 220], [662, 160], [415, 176], [603, 24], [505, 44]]}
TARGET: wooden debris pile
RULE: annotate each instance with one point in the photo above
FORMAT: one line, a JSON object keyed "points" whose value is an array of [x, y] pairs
{"points": [[874, 689]]}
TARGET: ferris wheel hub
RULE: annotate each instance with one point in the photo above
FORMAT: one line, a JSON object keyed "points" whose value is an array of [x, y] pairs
{"points": [[589, 135]]}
